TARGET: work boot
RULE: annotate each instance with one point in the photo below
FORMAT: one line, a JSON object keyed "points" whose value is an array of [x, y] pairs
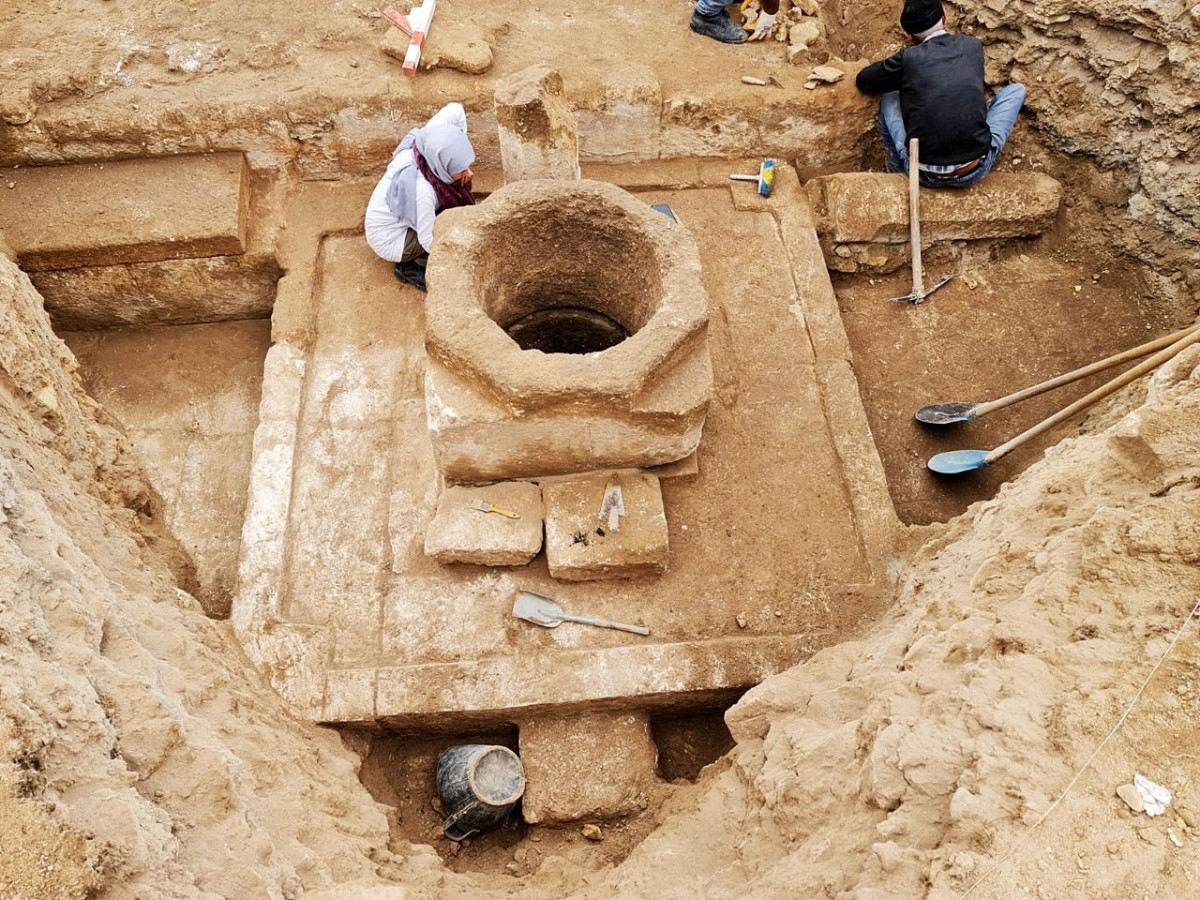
{"points": [[719, 27], [411, 273]]}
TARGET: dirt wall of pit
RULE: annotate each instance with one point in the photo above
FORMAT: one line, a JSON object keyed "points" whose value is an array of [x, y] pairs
{"points": [[151, 755], [1114, 81]]}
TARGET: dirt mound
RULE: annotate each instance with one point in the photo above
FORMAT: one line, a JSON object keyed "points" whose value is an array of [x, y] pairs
{"points": [[928, 753], [1114, 80], [133, 723]]}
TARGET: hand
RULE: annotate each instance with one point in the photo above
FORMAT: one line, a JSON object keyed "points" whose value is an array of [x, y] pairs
{"points": [[764, 27]]}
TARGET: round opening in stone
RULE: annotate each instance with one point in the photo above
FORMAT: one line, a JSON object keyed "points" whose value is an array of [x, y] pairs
{"points": [[566, 329], [573, 273]]}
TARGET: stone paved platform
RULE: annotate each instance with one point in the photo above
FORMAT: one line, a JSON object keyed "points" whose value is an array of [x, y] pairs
{"points": [[353, 623]]}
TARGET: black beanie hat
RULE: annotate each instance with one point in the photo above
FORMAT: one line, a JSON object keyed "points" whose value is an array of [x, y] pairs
{"points": [[920, 15]]}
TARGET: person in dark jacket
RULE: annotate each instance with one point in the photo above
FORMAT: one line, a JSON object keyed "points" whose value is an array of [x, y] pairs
{"points": [[934, 91]]}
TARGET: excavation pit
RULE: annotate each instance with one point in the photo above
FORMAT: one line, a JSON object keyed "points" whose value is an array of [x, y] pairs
{"points": [[762, 535], [567, 332], [338, 600], [335, 596]]}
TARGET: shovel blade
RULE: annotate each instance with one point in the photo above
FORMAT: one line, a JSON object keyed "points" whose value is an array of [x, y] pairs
{"points": [[537, 609], [955, 462], [946, 413]]}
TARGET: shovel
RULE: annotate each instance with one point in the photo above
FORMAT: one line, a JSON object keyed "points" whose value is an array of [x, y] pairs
{"points": [[958, 461], [949, 413], [919, 293], [545, 612]]}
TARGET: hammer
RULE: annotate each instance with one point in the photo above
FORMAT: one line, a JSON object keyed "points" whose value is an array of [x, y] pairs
{"points": [[765, 177]]}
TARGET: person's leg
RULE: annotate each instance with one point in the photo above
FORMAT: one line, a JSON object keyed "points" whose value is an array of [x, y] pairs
{"points": [[413, 251], [1003, 111], [710, 19], [1001, 118], [411, 268], [891, 128]]}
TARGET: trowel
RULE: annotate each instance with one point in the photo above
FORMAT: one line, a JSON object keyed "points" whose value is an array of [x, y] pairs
{"points": [[545, 612]]}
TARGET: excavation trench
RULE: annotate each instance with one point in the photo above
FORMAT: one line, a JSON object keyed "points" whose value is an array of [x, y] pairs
{"points": [[777, 547]]}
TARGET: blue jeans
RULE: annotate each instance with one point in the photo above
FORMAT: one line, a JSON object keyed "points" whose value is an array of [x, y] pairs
{"points": [[710, 7], [1001, 117]]}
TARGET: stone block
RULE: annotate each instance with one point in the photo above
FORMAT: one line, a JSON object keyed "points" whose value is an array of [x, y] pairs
{"points": [[169, 292], [460, 45], [538, 134], [591, 766], [872, 208], [461, 533], [135, 210], [580, 545], [620, 115]]}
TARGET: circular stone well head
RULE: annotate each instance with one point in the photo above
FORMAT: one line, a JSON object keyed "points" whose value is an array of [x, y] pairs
{"points": [[556, 307]]}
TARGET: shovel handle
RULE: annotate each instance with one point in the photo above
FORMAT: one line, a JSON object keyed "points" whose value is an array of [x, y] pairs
{"points": [[605, 623], [1091, 369], [1098, 394]]}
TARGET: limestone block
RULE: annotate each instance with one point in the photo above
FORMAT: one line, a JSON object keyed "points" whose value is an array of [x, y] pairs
{"points": [[538, 133], [591, 766], [461, 46], [135, 210], [171, 292], [867, 207], [461, 533], [804, 33], [621, 119], [580, 545]]}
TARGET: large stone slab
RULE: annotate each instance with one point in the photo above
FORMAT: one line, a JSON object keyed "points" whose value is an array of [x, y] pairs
{"points": [[462, 533], [168, 292], [869, 207], [189, 399], [778, 542], [581, 545], [136, 210], [592, 766]]}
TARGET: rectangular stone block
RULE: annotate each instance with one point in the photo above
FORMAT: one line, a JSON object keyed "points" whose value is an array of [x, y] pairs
{"points": [[869, 207], [462, 533], [591, 766], [136, 210], [169, 292], [581, 545]]}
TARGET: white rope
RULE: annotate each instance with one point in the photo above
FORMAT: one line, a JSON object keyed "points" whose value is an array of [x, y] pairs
{"points": [[1121, 721]]}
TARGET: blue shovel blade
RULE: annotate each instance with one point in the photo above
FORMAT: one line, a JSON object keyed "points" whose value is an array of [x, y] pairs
{"points": [[957, 461]]}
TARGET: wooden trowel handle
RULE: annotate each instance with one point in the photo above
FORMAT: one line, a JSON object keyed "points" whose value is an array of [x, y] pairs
{"points": [[605, 623]]}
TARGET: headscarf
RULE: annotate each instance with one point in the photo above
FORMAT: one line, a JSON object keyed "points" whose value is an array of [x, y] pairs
{"points": [[439, 153]]}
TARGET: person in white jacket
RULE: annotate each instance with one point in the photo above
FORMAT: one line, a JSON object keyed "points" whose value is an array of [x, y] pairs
{"points": [[430, 171]]}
